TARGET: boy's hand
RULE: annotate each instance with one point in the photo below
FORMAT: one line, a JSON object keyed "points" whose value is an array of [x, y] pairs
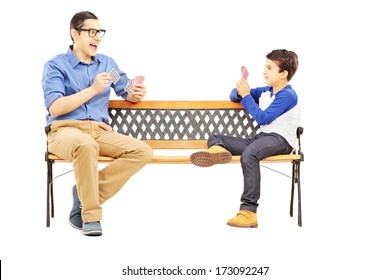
{"points": [[243, 88]]}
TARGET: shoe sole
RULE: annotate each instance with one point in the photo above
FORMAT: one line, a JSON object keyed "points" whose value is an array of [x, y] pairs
{"points": [[73, 226], [241, 226], [206, 159], [93, 233]]}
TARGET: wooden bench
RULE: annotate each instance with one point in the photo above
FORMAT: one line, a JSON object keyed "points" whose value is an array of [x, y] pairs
{"points": [[183, 125]]}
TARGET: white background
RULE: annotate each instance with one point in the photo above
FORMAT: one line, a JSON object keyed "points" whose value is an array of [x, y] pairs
{"points": [[170, 215]]}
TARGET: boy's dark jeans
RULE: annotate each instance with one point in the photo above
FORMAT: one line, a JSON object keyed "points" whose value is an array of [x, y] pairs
{"points": [[252, 151]]}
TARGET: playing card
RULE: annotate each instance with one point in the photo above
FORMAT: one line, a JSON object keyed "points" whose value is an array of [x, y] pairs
{"points": [[131, 84], [139, 79], [129, 87], [244, 72], [114, 76]]}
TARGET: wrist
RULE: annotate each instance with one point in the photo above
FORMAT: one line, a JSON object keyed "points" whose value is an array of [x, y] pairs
{"points": [[244, 94], [130, 97]]}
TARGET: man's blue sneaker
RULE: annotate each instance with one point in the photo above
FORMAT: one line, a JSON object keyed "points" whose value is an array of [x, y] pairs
{"points": [[75, 219], [92, 229]]}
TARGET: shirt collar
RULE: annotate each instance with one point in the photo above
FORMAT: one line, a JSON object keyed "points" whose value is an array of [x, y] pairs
{"points": [[74, 60]]}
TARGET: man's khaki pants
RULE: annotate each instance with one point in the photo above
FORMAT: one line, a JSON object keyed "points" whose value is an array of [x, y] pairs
{"points": [[81, 142]]}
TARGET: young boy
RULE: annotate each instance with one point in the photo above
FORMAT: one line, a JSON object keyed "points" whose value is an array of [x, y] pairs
{"points": [[76, 87], [275, 108]]}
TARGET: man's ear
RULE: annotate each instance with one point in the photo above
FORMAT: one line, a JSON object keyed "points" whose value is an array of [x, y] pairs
{"points": [[73, 33]]}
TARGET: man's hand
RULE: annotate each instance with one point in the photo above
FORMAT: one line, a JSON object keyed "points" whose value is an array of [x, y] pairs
{"points": [[102, 80], [138, 93], [243, 88]]}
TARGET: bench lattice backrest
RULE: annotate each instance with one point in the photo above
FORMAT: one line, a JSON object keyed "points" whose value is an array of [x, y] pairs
{"points": [[162, 120]]}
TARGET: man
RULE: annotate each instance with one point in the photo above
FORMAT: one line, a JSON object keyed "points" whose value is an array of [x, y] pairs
{"points": [[77, 87]]}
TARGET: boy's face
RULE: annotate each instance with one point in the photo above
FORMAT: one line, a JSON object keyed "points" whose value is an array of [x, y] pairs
{"points": [[85, 46], [272, 76]]}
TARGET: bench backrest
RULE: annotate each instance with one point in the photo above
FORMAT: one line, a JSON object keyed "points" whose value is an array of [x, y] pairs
{"points": [[180, 124]]}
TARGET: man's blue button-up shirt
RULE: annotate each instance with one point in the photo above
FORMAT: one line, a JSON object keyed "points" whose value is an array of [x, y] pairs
{"points": [[65, 75]]}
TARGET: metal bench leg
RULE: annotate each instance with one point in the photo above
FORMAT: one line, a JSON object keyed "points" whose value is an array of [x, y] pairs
{"points": [[298, 177], [48, 183], [49, 195], [292, 190]]}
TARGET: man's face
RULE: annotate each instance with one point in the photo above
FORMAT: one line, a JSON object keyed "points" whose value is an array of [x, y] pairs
{"points": [[86, 46]]}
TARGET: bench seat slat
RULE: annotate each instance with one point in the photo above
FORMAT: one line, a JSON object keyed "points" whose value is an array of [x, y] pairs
{"points": [[186, 159], [177, 144]]}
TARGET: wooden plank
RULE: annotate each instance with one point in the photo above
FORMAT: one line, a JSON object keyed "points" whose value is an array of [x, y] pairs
{"points": [[100, 158], [172, 159], [166, 104], [177, 144], [282, 158], [235, 159]]}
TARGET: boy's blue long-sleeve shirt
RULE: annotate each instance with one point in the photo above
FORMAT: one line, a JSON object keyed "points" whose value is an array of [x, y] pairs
{"points": [[277, 113]]}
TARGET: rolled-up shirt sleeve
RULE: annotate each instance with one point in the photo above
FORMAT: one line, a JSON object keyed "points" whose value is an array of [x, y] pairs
{"points": [[52, 83]]}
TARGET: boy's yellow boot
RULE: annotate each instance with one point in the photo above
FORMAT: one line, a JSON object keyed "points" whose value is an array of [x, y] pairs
{"points": [[244, 219], [211, 156]]}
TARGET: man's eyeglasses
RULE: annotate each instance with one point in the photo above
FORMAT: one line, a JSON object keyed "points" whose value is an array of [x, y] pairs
{"points": [[93, 32]]}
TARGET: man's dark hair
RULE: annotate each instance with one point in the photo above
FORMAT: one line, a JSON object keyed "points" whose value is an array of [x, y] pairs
{"points": [[78, 19]]}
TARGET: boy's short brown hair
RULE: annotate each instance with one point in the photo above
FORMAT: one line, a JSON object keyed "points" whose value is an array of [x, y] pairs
{"points": [[286, 60]]}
